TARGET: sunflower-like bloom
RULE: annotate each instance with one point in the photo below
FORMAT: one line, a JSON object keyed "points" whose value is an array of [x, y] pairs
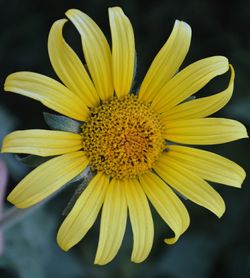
{"points": [[125, 135]]}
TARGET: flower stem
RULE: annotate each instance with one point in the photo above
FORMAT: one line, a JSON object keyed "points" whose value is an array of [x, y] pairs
{"points": [[13, 215]]}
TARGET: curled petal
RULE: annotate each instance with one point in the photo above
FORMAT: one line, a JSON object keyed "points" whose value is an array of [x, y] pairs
{"points": [[49, 92], [167, 61], [189, 81], [96, 52], [167, 204], [200, 107], [189, 185], [69, 67]]}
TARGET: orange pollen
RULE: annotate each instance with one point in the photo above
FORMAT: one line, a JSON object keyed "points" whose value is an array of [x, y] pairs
{"points": [[122, 137]]}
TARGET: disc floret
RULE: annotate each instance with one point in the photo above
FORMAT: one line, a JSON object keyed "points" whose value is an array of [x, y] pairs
{"points": [[122, 137]]}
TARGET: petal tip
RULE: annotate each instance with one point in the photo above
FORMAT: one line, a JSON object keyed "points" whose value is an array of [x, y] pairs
{"points": [[60, 21], [220, 214], [239, 179], [187, 26], [6, 83], [171, 240], [61, 242], [10, 199], [71, 11], [243, 176], [221, 210], [99, 261], [115, 11], [73, 14], [13, 201], [177, 22], [137, 260], [243, 130], [246, 134], [3, 148], [117, 8]]}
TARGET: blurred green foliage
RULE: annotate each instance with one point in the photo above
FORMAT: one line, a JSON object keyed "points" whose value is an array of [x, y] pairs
{"points": [[210, 247]]}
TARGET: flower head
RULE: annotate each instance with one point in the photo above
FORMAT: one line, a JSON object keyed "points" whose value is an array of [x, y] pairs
{"points": [[125, 135]]}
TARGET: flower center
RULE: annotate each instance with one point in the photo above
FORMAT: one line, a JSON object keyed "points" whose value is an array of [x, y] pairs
{"points": [[122, 137]]}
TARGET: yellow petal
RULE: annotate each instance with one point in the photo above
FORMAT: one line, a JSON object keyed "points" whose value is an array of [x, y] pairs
{"points": [[207, 165], [167, 204], [189, 81], [113, 222], [141, 221], [201, 107], [96, 52], [69, 67], [190, 185], [84, 213], [167, 61], [47, 178], [48, 91], [123, 51], [206, 131], [41, 142]]}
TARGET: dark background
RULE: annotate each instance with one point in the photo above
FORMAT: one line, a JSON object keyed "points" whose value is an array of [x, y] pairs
{"points": [[210, 247]]}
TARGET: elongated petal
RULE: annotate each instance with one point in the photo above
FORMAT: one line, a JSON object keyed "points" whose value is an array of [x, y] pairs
{"points": [[84, 213], [206, 131], [201, 107], [47, 178], [167, 61], [41, 142], [113, 222], [189, 81], [190, 185], [123, 51], [49, 92], [167, 204], [96, 52], [69, 67], [141, 221], [208, 166]]}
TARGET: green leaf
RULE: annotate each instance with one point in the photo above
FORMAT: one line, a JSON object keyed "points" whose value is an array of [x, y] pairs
{"points": [[31, 250], [33, 160], [63, 123]]}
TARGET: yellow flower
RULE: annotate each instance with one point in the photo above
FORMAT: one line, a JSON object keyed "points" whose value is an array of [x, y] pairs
{"points": [[125, 136]]}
